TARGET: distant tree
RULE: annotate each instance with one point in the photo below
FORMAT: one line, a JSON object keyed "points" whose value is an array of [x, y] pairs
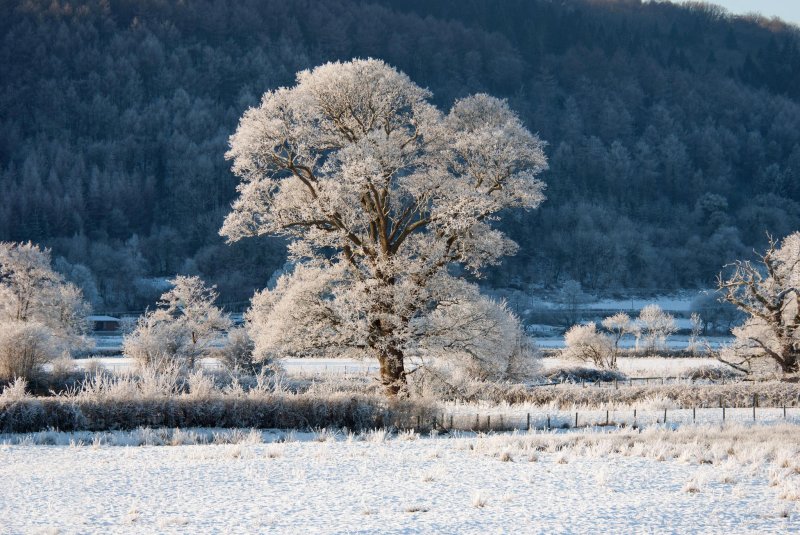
{"points": [[769, 293], [656, 325], [619, 325], [380, 194], [182, 329]]}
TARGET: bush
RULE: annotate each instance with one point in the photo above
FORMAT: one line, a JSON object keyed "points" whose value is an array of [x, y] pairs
{"points": [[578, 375], [584, 343], [24, 347], [237, 353]]}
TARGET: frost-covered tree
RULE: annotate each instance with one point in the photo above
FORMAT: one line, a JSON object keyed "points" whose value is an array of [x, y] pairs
{"points": [[182, 329], [41, 315], [769, 292], [619, 325], [656, 325], [380, 194]]}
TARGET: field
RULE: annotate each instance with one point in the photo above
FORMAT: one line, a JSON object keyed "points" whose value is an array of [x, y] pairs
{"points": [[711, 479]]}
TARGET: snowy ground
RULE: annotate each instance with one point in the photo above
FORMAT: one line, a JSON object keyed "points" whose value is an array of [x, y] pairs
{"points": [[714, 481]]}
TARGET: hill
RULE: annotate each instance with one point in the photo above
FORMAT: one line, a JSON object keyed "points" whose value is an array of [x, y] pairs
{"points": [[673, 130]]}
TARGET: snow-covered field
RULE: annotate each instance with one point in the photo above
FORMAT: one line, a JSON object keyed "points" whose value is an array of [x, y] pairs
{"points": [[695, 480]]}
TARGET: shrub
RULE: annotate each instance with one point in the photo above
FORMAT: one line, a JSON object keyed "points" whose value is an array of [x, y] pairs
{"points": [[584, 343], [578, 375], [24, 347]]}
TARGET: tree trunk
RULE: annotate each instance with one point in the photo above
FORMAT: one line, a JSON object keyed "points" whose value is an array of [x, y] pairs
{"points": [[791, 360], [393, 373]]}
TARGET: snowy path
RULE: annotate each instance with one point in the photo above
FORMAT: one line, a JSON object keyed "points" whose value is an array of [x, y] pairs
{"points": [[421, 486]]}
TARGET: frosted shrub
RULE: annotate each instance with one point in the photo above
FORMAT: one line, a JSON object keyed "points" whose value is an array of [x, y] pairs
{"points": [[584, 343], [24, 347], [237, 353], [15, 390]]}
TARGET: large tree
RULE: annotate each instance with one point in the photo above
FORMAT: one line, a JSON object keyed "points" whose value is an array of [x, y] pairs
{"points": [[769, 292], [383, 199]]}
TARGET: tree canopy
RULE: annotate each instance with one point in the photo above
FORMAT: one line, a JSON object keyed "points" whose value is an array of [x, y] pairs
{"points": [[378, 193]]}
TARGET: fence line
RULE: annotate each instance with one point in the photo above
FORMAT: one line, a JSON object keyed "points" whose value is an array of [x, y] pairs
{"points": [[632, 418]]}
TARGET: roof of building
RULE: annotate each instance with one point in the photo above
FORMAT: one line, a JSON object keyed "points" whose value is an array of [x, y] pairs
{"points": [[101, 318]]}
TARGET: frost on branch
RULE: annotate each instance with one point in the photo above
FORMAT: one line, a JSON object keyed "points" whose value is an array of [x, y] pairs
{"points": [[769, 292], [379, 193]]}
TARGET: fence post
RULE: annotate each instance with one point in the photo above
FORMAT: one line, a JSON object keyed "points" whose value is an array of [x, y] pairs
{"points": [[576, 419], [488, 422], [665, 415], [548, 422], [723, 414], [529, 421], [606, 416], [784, 412], [616, 385], [451, 421], [694, 414], [418, 422]]}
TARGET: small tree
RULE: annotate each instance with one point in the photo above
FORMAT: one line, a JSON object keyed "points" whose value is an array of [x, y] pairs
{"points": [[656, 325], [183, 327], [619, 325], [769, 292], [697, 325]]}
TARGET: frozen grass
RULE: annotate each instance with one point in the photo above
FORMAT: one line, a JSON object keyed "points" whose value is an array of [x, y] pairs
{"points": [[108, 402], [709, 479]]}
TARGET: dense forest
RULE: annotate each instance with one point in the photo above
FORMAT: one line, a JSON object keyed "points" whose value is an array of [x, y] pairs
{"points": [[673, 132]]}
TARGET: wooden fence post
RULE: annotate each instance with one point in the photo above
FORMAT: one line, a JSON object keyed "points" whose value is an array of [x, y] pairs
{"points": [[694, 414], [576, 419], [529, 422]]}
